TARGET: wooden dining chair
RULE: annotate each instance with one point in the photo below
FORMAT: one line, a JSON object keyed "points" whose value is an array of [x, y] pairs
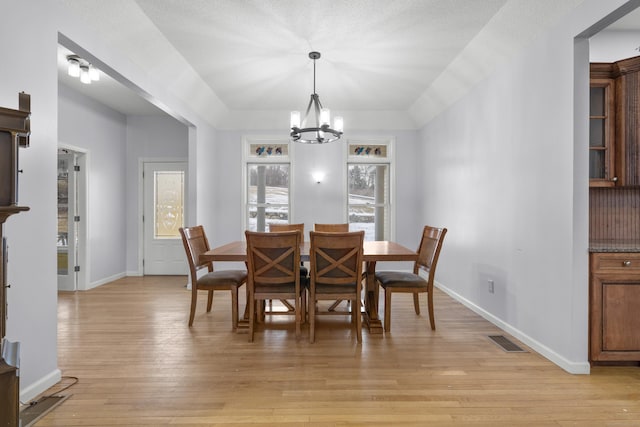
{"points": [[336, 273], [304, 271], [273, 261], [397, 281], [333, 228], [195, 243]]}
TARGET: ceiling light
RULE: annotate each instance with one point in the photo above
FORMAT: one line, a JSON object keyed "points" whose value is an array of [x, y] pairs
{"points": [[73, 66], [78, 67], [94, 73], [320, 133], [84, 74]]}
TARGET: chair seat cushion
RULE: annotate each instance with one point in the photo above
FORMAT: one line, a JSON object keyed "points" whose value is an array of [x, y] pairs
{"points": [[400, 279], [282, 288], [324, 288], [223, 278]]}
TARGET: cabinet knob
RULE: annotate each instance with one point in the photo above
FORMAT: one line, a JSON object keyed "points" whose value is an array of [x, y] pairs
{"points": [[626, 263]]}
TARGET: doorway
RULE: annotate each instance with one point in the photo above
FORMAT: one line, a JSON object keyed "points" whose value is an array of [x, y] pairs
{"points": [[71, 247], [164, 188]]}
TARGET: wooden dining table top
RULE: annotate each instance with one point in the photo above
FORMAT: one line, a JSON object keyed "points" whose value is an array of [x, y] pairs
{"points": [[379, 250]]}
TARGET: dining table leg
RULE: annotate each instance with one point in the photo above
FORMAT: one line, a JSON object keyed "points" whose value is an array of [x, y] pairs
{"points": [[370, 316]]}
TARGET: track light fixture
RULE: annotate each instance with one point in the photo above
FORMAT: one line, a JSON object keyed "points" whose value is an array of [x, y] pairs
{"points": [[78, 67]]}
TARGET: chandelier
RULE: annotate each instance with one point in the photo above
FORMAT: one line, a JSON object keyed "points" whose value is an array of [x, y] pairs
{"points": [[320, 133]]}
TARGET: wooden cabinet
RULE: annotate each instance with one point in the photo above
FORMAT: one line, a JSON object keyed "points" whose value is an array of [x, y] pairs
{"points": [[614, 123], [627, 135], [614, 325], [14, 133]]}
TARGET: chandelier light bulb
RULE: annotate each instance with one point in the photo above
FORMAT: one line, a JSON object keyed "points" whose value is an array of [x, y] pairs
{"points": [[295, 119], [325, 116], [338, 124]]}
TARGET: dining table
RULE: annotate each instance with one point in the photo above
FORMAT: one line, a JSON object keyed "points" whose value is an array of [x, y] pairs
{"points": [[373, 252]]}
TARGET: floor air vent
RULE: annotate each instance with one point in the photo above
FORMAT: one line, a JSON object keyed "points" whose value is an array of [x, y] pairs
{"points": [[38, 409], [506, 344]]}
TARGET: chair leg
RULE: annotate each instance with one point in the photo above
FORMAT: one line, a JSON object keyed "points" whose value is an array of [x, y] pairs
{"points": [[416, 303], [312, 317], [358, 315], [431, 315], [194, 298], [303, 307], [234, 308], [252, 313], [298, 316], [209, 301], [387, 310]]}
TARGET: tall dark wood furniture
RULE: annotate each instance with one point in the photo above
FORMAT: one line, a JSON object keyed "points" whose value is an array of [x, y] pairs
{"points": [[614, 211], [14, 133], [614, 123]]}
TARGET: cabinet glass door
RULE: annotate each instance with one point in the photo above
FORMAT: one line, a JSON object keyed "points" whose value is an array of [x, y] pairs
{"points": [[601, 133]]}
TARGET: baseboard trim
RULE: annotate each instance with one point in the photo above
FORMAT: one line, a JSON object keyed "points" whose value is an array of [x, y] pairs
{"points": [[34, 389], [561, 361], [106, 280]]}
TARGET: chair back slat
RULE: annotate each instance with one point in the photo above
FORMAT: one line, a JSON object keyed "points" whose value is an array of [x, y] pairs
{"points": [[276, 227], [273, 258], [336, 258], [429, 249], [195, 243], [333, 228]]}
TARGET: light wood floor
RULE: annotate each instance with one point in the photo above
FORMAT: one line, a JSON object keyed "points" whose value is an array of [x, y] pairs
{"points": [[139, 364]]}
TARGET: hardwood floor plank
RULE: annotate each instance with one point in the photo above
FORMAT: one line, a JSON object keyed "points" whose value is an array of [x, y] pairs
{"points": [[139, 364]]}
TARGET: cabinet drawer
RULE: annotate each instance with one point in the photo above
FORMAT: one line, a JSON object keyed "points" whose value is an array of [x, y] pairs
{"points": [[616, 261]]}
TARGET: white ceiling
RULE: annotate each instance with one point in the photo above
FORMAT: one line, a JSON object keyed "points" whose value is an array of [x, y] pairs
{"points": [[377, 55]]}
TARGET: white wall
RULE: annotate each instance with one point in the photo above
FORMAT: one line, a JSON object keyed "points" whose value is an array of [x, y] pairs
{"points": [[500, 174], [102, 132], [149, 138], [312, 202], [32, 315], [32, 269], [611, 46]]}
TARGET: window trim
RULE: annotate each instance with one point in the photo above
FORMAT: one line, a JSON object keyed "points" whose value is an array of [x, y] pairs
{"points": [[247, 141]]}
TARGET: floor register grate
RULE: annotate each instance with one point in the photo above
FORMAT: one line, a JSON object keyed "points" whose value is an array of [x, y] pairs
{"points": [[506, 344], [39, 408]]}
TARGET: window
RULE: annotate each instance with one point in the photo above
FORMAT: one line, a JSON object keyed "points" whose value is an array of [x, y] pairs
{"points": [[267, 186], [369, 190]]}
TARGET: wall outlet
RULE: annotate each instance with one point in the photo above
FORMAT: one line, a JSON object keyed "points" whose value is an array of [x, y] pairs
{"points": [[490, 286]]}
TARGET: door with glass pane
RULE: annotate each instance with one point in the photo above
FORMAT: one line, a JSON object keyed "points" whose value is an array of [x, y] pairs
{"points": [[164, 203], [66, 242]]}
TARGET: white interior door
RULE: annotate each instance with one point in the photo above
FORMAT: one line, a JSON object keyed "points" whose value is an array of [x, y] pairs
{"points": [[164, 203], [66, 244]]}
